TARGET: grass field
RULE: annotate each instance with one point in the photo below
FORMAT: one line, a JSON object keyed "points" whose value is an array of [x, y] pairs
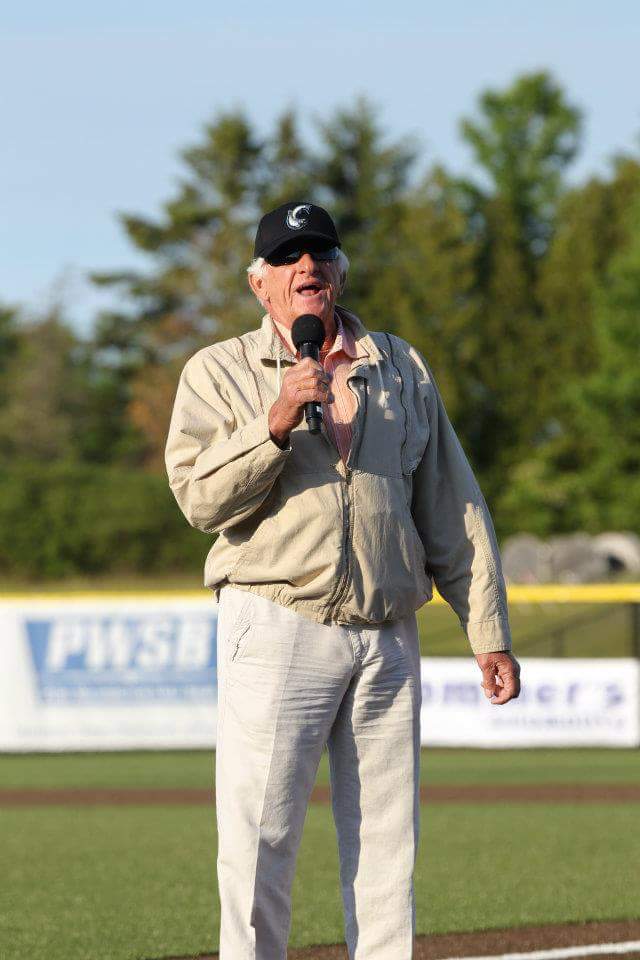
{"points": [[118, 883], [195, 768], [132, 882]]}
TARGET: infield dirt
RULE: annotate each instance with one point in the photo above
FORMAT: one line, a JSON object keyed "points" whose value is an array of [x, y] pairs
{"points": [[441, 793], [487, 943]]}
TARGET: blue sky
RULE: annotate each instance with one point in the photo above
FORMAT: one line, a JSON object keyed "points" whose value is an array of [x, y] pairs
{"points": [[99, 99]]}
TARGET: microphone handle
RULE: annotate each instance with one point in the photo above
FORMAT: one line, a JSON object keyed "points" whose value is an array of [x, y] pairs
{"points": [[313, 408]]}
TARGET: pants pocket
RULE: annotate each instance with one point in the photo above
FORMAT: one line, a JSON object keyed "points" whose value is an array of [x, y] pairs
{"points": [[237, 640], [234, 620]]}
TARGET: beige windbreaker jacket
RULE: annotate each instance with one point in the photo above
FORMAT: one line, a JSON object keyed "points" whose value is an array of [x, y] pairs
{"points": [[359, 544]]}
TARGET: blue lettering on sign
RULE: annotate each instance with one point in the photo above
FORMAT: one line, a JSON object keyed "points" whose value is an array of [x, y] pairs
{"points": [[614, 695], [142, 659], [592, 695], [465, 693]]}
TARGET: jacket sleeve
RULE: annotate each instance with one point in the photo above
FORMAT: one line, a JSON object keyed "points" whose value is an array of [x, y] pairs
{"points": [[219, 473], [457, 531]]}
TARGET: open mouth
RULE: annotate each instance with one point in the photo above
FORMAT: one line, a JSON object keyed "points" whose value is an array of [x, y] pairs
{"points": [[310, 289]]}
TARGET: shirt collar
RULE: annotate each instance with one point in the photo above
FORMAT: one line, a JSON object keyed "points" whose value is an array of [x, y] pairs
{"points": [[344, 340], [355, 339]]}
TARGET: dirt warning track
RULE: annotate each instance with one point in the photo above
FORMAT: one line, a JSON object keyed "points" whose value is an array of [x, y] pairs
{"points": [[490, 943], [438, 793]]}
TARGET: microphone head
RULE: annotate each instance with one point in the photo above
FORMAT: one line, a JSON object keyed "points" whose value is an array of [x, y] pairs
{"points": [[307, 329]]}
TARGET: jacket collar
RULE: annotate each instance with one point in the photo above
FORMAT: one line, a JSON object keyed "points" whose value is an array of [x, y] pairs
{"points": [[271, 346]]}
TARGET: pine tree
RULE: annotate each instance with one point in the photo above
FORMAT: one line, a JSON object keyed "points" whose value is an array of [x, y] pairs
{"points": [[591, 228], [362, 180], [196, 291], [9, 339], [523, 140], [425, 289], [42, 386]]}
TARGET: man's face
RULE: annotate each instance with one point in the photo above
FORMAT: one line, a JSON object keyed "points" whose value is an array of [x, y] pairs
{"points": [[307, 286]]}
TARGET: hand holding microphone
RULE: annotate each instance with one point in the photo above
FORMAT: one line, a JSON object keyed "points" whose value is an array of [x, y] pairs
{"points": [[304, 386]]}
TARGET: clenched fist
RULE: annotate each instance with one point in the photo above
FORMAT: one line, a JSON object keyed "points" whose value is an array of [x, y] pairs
{"points": [[306, 380], [500, 676]]}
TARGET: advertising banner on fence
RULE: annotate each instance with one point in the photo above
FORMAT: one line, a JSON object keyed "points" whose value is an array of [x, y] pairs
{"points": [[107, 674], [563, 702], [132, 673]]}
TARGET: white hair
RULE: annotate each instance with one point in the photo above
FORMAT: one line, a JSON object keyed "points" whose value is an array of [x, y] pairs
{"points": [[257, 268]]}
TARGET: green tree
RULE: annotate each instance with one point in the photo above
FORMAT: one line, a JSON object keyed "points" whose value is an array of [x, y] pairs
{"points": [[426, 289], [59, 400], [592, 226], [587, 476], [286, 168], [363, 179], [42, 390], [522, 141], [9, 338], [196, 291], [201, 240]]}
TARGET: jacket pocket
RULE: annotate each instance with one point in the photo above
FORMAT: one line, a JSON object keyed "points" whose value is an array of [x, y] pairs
{"points": [[421, 564], [299, 543], [389, 577], [419, 552]]}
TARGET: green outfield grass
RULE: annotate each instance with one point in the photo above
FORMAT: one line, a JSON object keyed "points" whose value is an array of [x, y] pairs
{"points": [[119, 883], [124, 883], [590, 630], [196, 768]]}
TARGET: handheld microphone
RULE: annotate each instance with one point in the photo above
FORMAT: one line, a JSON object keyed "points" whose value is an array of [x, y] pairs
{"points": [[307, 335]]}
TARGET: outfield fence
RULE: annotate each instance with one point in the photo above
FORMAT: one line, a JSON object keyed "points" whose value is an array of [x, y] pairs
{"points": [[607, 607], [594, 620]]}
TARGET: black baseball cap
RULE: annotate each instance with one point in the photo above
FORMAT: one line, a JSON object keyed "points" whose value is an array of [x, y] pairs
{"points": [[292, 222]]}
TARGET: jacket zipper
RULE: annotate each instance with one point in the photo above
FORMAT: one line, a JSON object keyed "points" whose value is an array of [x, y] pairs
{"points": [[343, 586], [344, 579]]}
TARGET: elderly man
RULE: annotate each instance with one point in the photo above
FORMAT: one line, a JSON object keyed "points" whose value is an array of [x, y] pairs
{"points": [[327, 545]]}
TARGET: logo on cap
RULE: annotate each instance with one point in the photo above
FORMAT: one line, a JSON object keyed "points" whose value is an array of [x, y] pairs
{"points": [[298, 217]]}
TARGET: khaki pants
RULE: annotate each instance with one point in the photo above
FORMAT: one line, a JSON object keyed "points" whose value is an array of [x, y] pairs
{"points": [[287, 686]]}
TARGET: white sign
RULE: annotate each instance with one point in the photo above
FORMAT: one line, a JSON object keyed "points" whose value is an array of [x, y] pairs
{"points": [[110, 674], [563, 702], [131, 673]]}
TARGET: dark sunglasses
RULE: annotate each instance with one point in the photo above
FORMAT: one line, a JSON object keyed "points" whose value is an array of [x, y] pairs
{"points": [[322, 255]]}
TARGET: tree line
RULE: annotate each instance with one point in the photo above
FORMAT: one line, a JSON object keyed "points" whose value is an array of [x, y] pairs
{"points": [[521, 290]]}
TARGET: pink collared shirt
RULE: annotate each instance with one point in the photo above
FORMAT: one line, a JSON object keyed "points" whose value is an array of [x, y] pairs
{"points": [[339, 415]]}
